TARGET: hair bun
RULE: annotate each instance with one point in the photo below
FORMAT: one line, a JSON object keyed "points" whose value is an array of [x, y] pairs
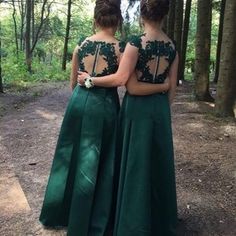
{"points": [[154, 9], [107, 13], [109, 6]]}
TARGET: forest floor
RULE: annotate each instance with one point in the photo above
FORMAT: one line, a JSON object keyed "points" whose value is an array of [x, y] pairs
{"points": [[205, 152]]}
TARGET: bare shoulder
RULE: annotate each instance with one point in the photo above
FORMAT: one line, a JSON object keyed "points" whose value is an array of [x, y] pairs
{"points": [[167, 39], [99, 38], [76, 50]]}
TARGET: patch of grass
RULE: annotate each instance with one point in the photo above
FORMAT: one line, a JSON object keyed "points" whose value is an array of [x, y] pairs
{"points": [[188, 77]]}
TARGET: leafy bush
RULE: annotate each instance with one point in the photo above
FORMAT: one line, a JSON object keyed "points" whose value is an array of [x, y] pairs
{"points": [[15, 72]]}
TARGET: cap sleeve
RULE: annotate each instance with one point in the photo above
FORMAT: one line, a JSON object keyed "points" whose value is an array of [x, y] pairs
{"points": [[122, 45], [135, 41], [173, 52]]}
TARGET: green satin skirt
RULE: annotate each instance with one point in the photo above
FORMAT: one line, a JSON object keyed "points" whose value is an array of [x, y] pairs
{"points": [[80, 188], [147, 194]]}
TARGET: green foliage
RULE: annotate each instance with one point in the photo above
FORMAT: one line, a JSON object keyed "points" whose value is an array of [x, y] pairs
{"points": [[47, 55], [81, 27], [131, 29], [15, 72], [216, 4]]}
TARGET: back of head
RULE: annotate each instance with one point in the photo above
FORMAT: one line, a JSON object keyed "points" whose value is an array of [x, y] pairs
{"points": [[154, 10], [107, 13]]}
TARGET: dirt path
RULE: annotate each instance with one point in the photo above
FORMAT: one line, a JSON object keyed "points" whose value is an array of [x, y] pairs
{"points": [[205, 162]]}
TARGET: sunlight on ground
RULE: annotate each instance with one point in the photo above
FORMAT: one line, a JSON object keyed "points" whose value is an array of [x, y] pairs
{"points": [[230, 129], [195, 125], [210, 104], [12, 197], [189, 105], [46, 115]]}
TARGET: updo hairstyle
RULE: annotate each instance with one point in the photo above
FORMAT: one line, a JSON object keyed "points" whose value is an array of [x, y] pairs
{"points": [[154, 10], [107, 14]]}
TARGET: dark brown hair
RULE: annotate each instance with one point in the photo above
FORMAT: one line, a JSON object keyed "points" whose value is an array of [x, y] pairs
{"points": [[107, 13], [154, 10]]}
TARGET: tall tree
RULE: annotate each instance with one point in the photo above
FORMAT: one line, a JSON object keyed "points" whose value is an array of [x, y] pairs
{"points": [[1, 83], [33, 22], [22, 10], [15, 27], [171, 20], [165, 22], [226, 87], [203, 45], [29, 43], [67, 35], [28, 54], [185, 37], [218, 52], [44, 15], [179, 6]]}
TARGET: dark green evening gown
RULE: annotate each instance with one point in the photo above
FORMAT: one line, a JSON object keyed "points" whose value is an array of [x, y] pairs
{"points": [[79, 193], [147, 193]]}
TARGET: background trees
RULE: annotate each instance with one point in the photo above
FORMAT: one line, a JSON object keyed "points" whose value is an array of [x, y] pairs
{"points": [[38, 37], [203, 48], [226, 88], [33, 35], [68, 23]]}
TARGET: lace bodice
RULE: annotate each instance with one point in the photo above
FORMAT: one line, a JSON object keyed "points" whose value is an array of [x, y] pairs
{"points": [[99, 58], [154, 60]]}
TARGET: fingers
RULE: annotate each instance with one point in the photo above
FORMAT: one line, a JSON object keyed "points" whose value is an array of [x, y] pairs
{"points": [[80, 81], [82, 73], [81, 77]]}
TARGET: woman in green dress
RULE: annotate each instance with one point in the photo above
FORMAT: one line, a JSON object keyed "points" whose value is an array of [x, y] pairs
{"points": [[146, 203], [79, 191]]}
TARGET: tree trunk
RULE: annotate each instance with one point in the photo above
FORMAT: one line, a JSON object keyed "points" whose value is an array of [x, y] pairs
{"points": [[203, 44], [15, 28], [222, 12], [179, 5], [67, 36], [27, 36], [22, 11], [33, 23], [164, 27], [185, 37], [171, 20], [226, 87], [179, 8], [1, 83], [42, 20]]}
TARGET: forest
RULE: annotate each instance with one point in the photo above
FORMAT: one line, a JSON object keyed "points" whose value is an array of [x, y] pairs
{"points": [[42, 34]]}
